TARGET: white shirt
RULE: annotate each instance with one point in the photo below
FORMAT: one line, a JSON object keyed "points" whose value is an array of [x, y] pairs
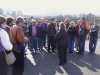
{"points": [[5, 40]]}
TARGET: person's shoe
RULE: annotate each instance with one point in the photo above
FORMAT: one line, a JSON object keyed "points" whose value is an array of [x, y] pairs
{"points": [[53, 51], [38, 50], [45, 47], [61, 64], [79, 53]]}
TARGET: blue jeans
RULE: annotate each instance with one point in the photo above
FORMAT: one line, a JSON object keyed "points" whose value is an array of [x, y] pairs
{"points": [[71, 41], [43, 39], [39, 43], [82, 44], [33, 43], [92, 44]]}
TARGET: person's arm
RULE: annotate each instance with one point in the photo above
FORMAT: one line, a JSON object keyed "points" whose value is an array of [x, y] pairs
{"points": [[30, 30], [5, 40]]}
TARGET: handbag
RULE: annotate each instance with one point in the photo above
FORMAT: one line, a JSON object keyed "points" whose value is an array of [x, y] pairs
{"points": [[10, 58]]}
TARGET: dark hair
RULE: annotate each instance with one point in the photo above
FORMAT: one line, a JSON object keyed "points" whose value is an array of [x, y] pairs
{"points": [[52, 25], [2, 20], [9, 21], [19, 20]]}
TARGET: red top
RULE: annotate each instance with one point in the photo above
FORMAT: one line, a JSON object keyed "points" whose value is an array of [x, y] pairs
{"points": [[85, 24]]}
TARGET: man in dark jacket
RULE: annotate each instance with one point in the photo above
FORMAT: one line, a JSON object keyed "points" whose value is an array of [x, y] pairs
{"points": [[61, 41]]}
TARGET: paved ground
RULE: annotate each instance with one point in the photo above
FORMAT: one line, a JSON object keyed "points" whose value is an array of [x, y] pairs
{"points": [[47, 64]]}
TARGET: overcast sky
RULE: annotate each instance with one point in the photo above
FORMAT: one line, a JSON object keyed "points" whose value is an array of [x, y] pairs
{"points": [[52, 7]]}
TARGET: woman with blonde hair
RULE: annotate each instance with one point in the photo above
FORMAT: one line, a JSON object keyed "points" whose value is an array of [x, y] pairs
{"points": [[71, 36]]}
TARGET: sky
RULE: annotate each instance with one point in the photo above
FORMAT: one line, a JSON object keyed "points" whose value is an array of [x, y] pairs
{"points": [[52, 7]]}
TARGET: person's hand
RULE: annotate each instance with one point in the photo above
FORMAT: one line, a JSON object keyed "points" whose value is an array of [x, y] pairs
{"points": [[26, 39]]}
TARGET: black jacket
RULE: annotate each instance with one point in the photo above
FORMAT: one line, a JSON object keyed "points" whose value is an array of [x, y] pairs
{"points": [[51, 30], [72, 31], [61, 39]]}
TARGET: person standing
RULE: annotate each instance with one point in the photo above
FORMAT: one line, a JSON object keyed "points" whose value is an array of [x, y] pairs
{"points": [[5, 46], [71, 36], [77, 36], [83, 31], [93, 37], [44, 33], [51, 37], [61, 42], [81, 40], [33, 36], [18, 40], [39, 34]]}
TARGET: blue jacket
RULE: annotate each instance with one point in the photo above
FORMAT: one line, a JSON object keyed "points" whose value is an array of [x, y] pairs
{"points": [[94, 32]]}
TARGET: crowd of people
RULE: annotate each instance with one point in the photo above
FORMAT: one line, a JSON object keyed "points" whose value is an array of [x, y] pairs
{"points": [[61, 37]]}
